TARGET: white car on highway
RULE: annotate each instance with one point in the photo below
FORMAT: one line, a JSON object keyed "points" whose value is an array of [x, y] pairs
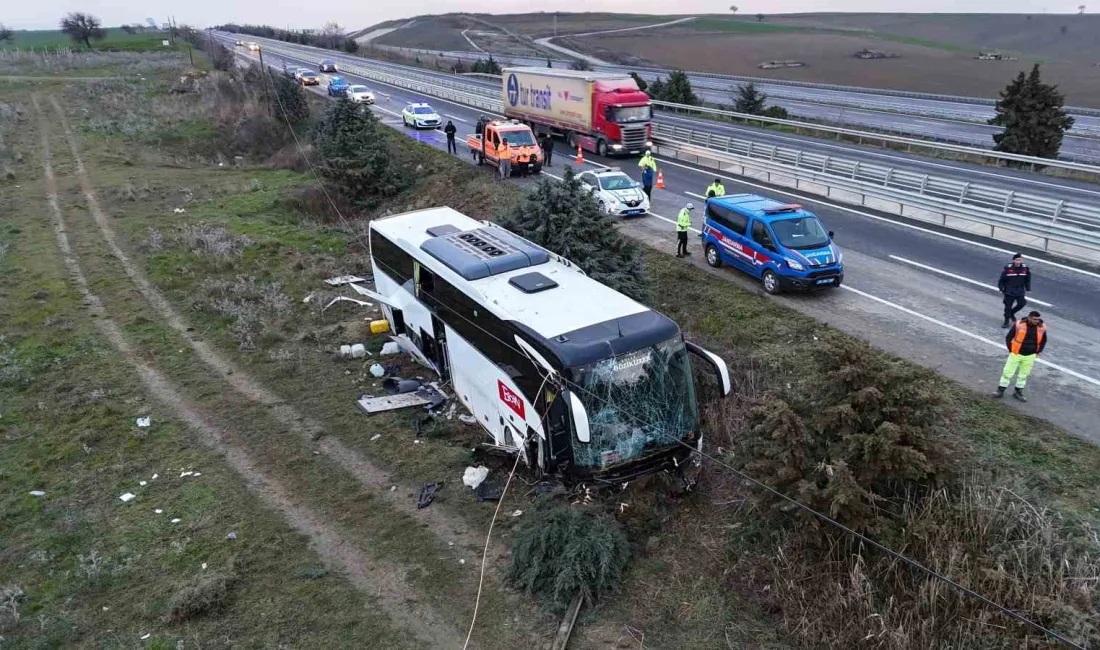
{"points": [[360, 94], [615, 192], [421, 116]]}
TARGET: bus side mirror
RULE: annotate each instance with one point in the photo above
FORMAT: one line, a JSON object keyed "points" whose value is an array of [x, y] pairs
{"points": [[716, 362], [580, 418]]}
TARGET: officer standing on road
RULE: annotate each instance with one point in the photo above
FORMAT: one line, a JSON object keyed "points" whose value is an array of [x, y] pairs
{"points": [[683, 223], [716, 189], [548, 147], [504, 160], [450, 131], [480, 128], [1025, 340], [649, 170], [1014, 283]]}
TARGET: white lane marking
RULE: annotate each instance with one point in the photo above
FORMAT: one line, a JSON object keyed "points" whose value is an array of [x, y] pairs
{"points": [[963, 279], [454, 117], [836, 206], [959, 330]]}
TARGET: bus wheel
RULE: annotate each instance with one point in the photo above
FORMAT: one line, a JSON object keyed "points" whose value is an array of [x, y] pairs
{"points": [[713, 258]]}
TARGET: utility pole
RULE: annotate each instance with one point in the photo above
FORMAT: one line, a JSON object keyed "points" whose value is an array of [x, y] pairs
{"points": [[555, 24], [190, 56], [263, 73]]}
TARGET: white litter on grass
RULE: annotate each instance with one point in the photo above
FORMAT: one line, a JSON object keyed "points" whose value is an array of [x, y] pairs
{"points": [[183, 474], [144, 422], [416, 442], [517, 513], [473, 476], [308, 298], [145, 636], [343, 279], [337, 299], [375, 437], [154, 477], [377, 370], [198, 473], [450, 543], [37, 493], [142, 483], [462, 561], [179, 210], [204, 566], [390, 348], [158, 511], [358, 351], [127, 498], [393, 488], [176, 521], [345, 351]]}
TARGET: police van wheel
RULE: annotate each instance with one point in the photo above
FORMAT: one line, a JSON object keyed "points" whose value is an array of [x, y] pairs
{"points": [[712, 256], [771, 282]]}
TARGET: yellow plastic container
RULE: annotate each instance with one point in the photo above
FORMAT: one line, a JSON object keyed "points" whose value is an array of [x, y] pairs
{"points": [[379, 326]]}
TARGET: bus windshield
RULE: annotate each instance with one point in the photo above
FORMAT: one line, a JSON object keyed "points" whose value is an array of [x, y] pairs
{"points": [[636, 402]]}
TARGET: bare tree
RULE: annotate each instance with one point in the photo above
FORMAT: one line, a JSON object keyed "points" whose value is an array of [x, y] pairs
{"points": [[6, 34], [83, 28], [333, 33]]}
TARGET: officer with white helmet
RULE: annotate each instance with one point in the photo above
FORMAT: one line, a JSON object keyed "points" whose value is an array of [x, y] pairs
{"points": [[683, 223]]}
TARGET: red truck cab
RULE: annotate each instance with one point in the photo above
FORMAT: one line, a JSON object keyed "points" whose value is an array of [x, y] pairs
{"points": [[621, 115]]}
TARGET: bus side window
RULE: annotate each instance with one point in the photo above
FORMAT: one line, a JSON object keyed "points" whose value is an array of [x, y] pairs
{"points": [[425, 281]]}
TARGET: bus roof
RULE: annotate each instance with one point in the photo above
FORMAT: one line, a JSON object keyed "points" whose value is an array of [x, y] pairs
{"points": [[576, 302], [758, 206]]}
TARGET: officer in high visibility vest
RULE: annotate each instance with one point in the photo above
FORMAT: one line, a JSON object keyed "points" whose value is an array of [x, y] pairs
{"points": [[649, 171], [716, 189], [1025, 340], [683, 223]]}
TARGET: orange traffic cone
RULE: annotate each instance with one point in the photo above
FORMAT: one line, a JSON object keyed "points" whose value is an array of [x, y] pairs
{"points": [[660, 180], [580, 155]]}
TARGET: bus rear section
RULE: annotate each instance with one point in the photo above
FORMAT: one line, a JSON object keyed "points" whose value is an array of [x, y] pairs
{"points": [[577, 378]]}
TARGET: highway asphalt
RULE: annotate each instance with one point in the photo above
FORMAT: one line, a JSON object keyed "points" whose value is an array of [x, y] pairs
{"points": [[924, 294], [1021, 181], [950, 121]]}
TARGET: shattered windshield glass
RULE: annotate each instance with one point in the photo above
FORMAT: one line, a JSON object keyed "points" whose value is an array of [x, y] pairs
{"points": [[636, 402]]}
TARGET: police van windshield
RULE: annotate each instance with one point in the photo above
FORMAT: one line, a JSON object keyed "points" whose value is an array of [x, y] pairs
{"points": [[636, 402], [518, 138], [628, 114], [800, 233]]}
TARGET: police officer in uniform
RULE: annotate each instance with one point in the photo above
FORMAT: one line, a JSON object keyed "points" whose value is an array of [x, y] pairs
{"points": [[1014, 283], [716, 189], [683, 222]]}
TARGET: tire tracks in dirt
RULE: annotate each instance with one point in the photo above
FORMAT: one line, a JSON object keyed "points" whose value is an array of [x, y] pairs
{"points": [[335, 547], [446, 527]]}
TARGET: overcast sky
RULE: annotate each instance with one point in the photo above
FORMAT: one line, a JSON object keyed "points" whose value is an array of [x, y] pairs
{"points": [[355, 14]]}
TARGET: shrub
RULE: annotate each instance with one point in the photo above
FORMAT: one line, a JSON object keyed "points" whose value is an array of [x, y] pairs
{"points": [[255, 309], [869, 433], [777, 112], [563, 218], [352, 152], [562, 550], [207, 596]]}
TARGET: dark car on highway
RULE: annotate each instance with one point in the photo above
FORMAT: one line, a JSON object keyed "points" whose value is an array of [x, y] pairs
{"points": [[337, 87], [310, 78], [328, 65]]}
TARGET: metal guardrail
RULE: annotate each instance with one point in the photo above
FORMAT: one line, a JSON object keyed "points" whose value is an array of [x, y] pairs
{"points": [[1037, 222], [909, 142], [1045, 219]]}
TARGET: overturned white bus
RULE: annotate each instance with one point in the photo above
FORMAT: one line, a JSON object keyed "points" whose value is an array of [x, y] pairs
{"points": [[575, 377]]}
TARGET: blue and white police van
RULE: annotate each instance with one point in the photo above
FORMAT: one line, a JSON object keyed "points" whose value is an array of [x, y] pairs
{"points": [[783, 245]]}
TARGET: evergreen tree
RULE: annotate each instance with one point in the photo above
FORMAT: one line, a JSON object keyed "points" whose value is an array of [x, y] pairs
{"points": [[747, 99], [677, 89], [642, 85], [352, 153], [1033, 116], [289, 97], [563, 218], [656, 89]]}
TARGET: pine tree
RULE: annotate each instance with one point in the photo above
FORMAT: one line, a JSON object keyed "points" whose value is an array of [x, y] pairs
{"points": [[563, 218], [288, 96], [642, 85], [747, 99], [656, 89], [352, 153], [1033, 116], [678, 89]]}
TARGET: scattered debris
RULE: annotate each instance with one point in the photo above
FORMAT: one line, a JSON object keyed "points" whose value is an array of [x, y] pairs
{"points": [[875, 54], [144, 422], [37, 493], [416, 442], [358, 351], [184, 474], [461, 561], [427, 495], [393, 488], [307, 298], [179, 210], [127, 498], [341, 280], [488, 491], [378, 326], [145, 636], [204, 566], [176, 521], [337, 299], [473, 476], [231, 537], [768, 65], [158, 511], [399, 386], [390, 348], [467, 419], [517, 513], [424, 396], [154, 477], [377, 370], [142, 483], [375, 437]]}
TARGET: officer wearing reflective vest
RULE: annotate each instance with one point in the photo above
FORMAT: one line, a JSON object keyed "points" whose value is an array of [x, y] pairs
{"points": [[1025, 340], [716, 189], [683, 223], [648, 165]]}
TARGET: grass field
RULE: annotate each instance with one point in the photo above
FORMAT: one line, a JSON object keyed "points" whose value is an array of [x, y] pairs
{"points": [[116, 39], [200, 269]]}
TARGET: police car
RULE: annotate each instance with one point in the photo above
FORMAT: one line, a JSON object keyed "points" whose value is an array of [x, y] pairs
{"points": [[420, 116], [783, 245], [616, 193]]}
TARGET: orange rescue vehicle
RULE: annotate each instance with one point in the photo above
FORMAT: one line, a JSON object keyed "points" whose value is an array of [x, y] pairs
{"points": [[524, 150]]}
